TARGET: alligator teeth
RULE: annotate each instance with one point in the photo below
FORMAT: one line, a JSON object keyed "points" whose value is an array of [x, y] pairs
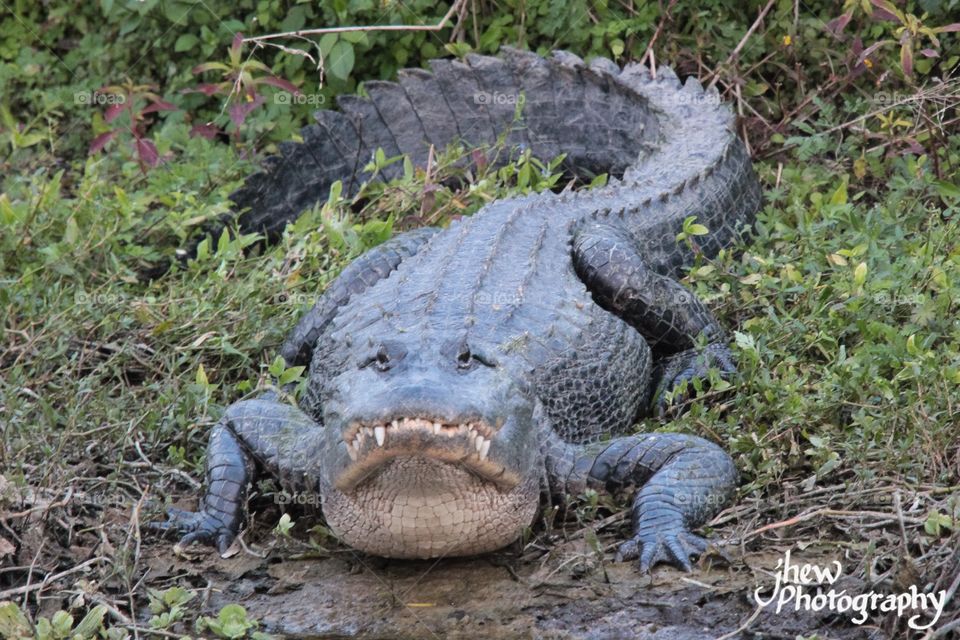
{"points": [[357, 443], [437, 427], [368, 432], [352, 453], [478, 443], [381, 434], [395, 424], [485, 449]]}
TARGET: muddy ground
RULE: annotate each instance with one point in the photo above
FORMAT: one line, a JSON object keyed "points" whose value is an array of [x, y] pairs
{"points": [[566, 593]]}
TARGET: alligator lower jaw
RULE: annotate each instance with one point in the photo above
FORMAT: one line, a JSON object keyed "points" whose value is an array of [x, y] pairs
{"points": [[371, 445]]}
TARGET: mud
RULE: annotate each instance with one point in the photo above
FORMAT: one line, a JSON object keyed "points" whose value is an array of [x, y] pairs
{"points": [[565, 594]]}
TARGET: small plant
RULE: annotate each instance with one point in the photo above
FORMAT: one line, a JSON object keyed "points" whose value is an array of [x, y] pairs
{"points": [[231, 623], [129, 106], [168, 607], [14, 625], [241, 82], [284, 526]]}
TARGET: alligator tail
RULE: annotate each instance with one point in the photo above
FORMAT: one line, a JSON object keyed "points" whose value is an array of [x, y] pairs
{"points": [[663, 139]]}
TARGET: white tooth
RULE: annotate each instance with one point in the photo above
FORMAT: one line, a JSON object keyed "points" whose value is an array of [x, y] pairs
{"points": [[436, 428], [485, 449], [479, 443], [351, 452], [368, 432], [381, 434], [357, 443], [395, 424]]}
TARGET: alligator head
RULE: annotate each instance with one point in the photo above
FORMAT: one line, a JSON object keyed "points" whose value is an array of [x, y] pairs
{"points": [[429, 451]]}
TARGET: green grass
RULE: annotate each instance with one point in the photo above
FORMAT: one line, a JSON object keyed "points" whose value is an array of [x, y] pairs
{"points": [[842, 306]]}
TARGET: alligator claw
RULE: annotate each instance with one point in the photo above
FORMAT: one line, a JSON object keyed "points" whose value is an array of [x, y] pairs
{"points": [[195, 526], [688, 366], [674, 547]]}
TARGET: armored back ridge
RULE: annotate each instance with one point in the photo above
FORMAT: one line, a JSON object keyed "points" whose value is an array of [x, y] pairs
{"points": [[453, 372]]}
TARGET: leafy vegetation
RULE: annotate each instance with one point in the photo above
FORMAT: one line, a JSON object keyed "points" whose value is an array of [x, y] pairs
{"points": [[842, 306]]}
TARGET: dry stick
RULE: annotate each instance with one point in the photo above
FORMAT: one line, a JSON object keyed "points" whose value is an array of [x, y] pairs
{"points": [[743, 40], [384, 27], [827, 512], [656, 34], [743, 627], [49, 579], [952, 626]]}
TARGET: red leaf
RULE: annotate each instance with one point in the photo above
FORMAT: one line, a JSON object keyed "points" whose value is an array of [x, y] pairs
{"points": [[837, 25], [280, 83], [884, 10], [240, 110], [906, 58], [947, 29], [147, 152], [205, 89], [207, 130], [869, 50], [113, 111], [101, 141], [159, 105], [929, 53]]}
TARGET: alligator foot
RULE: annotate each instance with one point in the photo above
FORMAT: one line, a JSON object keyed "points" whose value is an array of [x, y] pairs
{"points": [[195, 526], [685, 367], [674, 545]]}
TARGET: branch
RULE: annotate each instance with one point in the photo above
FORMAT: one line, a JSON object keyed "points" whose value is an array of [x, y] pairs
{"points": [[385, 27]]}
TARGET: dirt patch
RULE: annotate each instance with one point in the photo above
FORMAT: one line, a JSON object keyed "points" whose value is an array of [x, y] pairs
{"points": [[565, 595]]}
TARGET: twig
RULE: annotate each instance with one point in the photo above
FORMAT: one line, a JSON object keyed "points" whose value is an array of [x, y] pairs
{"points": [[40, 585], [656, 34], [384, 27], [743, 627], [743, 40]]}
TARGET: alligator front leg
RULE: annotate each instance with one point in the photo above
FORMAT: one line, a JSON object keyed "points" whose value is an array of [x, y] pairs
{"points": [[683, 481], [278, 437], [682, 332]]}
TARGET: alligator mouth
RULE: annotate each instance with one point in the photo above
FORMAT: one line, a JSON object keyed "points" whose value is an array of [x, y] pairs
{"points": [[371, 445]]}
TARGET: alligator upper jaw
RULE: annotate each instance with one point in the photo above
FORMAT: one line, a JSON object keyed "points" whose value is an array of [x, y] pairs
{"points": [[370, 445]]}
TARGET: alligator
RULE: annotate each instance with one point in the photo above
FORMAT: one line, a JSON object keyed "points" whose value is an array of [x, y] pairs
{"points": [[457, 375]]}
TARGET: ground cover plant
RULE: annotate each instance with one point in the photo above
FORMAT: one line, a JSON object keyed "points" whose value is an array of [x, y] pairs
{"points": [[125, 125]]}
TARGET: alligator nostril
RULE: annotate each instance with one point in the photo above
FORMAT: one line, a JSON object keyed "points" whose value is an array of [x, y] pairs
{"points": [[464, 358], [383, 358]]}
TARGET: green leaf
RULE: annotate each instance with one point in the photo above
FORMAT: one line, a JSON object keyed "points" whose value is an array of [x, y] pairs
{"points": [[840, 195], [947, 189], [860, 274], [89, 627], [185, 42], [13, 623], [201, 377], [277, 367], [340, 61], [291, 374]]}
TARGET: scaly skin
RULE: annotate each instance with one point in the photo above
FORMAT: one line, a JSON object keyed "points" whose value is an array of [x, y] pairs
{"points": [[455, 372]]}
